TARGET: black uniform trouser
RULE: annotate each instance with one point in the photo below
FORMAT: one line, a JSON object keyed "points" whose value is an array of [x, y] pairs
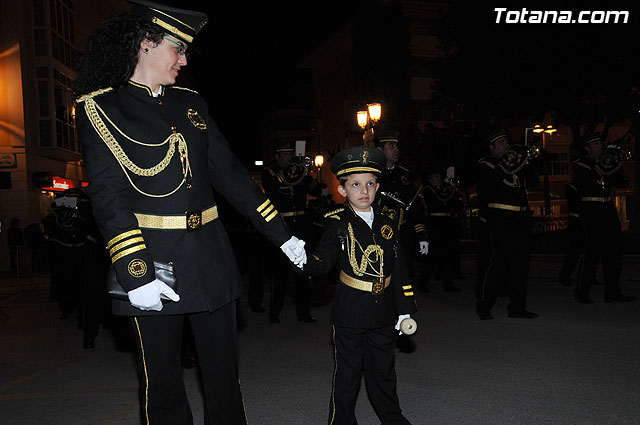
{"points": [[282, 269], [256, 259], [442, 252], [281, 272], [163, 399], [602, 240], [575, 248], [503, 260], [409, 245], [69, 291], [94, 302], [374, 351]]}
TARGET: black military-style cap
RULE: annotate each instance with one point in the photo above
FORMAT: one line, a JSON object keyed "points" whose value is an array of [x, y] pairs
{"points": [[385, 137], [590, 138], [181, 23], [282, 146], [358, 159], [496, 135]]}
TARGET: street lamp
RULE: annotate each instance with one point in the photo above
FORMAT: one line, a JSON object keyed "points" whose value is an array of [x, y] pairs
{"points": [[549, 129], [367, 119]]}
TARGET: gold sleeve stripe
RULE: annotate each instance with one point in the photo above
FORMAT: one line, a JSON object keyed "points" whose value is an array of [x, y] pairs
{"points": [[273, 214], [122, 236], [268, 210], [125, 244], [127, 252], [261, 207], [406, 287], [408, 294]]}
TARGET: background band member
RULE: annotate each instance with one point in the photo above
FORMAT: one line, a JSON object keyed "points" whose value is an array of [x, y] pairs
{"points": [[503, 235], [287, 183], [596, 174], [398, 198]]}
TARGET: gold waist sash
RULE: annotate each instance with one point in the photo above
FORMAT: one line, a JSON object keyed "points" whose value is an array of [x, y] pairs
{"points": [[363, 285]]}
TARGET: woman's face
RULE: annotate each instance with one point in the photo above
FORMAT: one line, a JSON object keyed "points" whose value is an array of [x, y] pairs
{"points": [[163, 61]]}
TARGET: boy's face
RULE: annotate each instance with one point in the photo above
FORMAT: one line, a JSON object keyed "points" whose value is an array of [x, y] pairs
{"points": [[360, 190]]}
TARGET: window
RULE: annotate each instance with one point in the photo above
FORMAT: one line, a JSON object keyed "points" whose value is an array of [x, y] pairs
{"points": [[559, 163]]}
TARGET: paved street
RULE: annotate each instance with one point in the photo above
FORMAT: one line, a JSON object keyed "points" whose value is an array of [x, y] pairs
{"points": [[576, 364]]}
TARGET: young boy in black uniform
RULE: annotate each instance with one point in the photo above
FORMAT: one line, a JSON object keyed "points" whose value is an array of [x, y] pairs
{"points": [[373, 292]]}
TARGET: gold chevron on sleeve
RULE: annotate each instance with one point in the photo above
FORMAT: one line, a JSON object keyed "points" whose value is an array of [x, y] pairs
{"points": [[408, 294], [406, 287], [267, 210], [122, 236]]}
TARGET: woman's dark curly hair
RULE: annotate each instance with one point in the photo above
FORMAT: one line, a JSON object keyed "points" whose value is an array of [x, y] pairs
{"points": [[112, 53]]}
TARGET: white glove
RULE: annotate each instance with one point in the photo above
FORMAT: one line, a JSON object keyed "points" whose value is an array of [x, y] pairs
{"points": [[400, 319], [424, 247], [294, 250], [148, 297]]}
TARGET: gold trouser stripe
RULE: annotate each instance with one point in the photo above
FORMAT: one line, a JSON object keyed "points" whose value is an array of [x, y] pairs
{"points": [[122, 236], [440, 214], [146, 375], [133, 241], [173, 222], [273, 214], [596, 199], [127, 252], [507, 207], [292, 213], [335, 371], [362, 285], [406, 287]]}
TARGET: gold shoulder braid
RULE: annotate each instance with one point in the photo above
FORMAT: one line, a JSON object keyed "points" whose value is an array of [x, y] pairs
{"points": [[361, 269], [93, 111]]}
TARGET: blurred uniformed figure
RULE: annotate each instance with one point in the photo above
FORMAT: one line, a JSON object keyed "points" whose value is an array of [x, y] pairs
{"points": [[504, 228], [398, 198], [373, 291], [575, 233], [65, 243], [596, 174], [288, 183], [443, 204], [153, 156]]}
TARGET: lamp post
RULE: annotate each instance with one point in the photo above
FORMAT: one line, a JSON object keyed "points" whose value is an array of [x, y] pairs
{"points": [[367, 119], [550, 129]]}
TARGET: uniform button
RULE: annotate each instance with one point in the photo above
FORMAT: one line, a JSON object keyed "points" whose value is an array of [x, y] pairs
{"points": [[159, 102]]}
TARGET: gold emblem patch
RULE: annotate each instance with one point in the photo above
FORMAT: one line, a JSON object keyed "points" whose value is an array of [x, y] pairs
{"points": [[386, 231], [365, 157], [137, 268], [196, 119], [194, 220]]}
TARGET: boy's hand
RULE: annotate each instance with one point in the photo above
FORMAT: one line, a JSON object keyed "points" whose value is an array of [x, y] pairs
{"points": [[424, 247], [400, 319]]}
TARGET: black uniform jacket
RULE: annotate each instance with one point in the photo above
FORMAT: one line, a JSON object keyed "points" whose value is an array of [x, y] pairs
{"points": [[502, 194], [399, 182], [346, 236], [595, 189], [206, 271], [442, 201]]}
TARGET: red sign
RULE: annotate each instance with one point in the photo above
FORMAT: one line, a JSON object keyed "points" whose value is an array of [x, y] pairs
{"points": [[60, 184], [84, 183]]}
